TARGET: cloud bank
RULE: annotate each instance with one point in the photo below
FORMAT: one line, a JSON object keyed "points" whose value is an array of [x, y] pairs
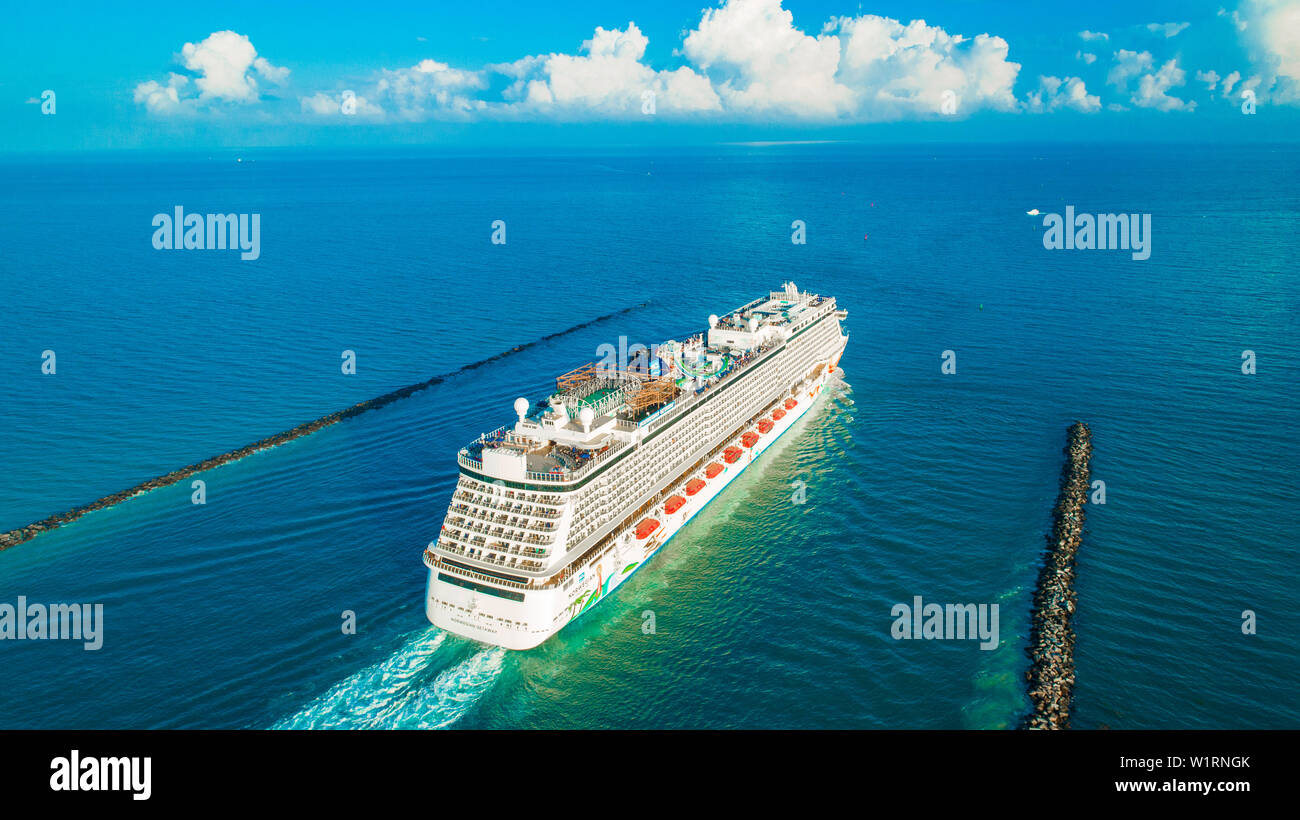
{"points": [[744, 60], [748, 61]]}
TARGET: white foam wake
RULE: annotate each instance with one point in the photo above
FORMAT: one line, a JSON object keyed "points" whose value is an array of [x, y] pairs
{"points": [[396, 693], [453, 693]]}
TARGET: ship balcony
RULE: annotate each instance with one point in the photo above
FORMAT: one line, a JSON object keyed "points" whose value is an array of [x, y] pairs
{"points": [[506, 559], [501, 532], [489, 514], [512, 563], [517, 497], [521, 552], [432, 561], [514, 522], [516, 507], [524, 558], [552, 500], [499, 541]]}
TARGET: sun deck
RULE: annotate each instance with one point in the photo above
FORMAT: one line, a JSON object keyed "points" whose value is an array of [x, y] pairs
{"points": [[597, 411]]}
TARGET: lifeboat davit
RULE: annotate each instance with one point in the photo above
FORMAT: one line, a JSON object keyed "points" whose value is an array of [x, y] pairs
{"points": [[765, 426], [790, 404], [749, 439], [731, 455], [674, 504], [647, 526], [712, 470], [778, 414], [694, 486]]}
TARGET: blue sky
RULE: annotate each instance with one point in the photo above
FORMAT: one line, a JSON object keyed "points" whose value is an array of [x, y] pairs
{"points": [[238, 74]]}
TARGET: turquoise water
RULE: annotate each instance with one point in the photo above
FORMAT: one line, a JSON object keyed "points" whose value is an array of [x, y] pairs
{"points": [[768, 613]]}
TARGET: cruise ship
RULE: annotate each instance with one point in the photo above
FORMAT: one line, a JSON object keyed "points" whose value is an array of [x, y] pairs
{"points": [[551, 513]]}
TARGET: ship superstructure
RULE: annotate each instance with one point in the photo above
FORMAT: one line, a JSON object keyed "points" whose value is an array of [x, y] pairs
{"points": [[553, 512]]}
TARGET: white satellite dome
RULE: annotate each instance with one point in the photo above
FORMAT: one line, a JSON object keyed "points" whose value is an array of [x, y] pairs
{"points": [[521, 407], [586, 415], [713, 320]]}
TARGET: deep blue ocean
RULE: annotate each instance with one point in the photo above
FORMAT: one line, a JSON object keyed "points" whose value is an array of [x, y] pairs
{"points": [[768, 613]]}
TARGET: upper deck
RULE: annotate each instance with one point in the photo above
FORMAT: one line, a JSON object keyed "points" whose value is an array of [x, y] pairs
{"points": [[600, 409]]}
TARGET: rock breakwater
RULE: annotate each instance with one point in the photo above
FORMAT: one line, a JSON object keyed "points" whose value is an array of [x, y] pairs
{"points": [[1051, 643]]}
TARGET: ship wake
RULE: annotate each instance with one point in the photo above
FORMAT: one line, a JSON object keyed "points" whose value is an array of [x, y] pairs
{"points": [[409, 690]]}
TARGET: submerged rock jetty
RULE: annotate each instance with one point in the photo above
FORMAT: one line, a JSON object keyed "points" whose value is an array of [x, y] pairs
{"points": [[1051, 641], [27, 533]]}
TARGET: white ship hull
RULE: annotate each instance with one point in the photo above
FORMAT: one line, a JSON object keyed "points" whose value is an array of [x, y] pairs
{"points": [[527, 624]]}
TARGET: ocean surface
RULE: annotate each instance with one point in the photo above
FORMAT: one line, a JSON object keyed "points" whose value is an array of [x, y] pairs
{"points": [[768, 613]]}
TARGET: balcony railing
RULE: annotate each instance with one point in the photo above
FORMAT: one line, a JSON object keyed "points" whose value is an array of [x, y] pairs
{"points": [[432, 561]]}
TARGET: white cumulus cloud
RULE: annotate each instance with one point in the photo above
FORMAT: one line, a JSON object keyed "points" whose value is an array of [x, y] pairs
{"points": [[856, 68], [224, 67], [744, 60], [759, 61], [161, 99], [1270, 30], [1152, 89], [340, 105], [1054, 93], [429, 87], [609, 79], [1128, 64], [1152, 86]]}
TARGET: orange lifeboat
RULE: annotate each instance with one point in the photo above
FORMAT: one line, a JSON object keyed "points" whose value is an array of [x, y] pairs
{"points": [[778, 414], [674, 504], [712, 470], [790, 404], [731, 455], [647, 526], [694, 486], [765, 426], [749, 439]]}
